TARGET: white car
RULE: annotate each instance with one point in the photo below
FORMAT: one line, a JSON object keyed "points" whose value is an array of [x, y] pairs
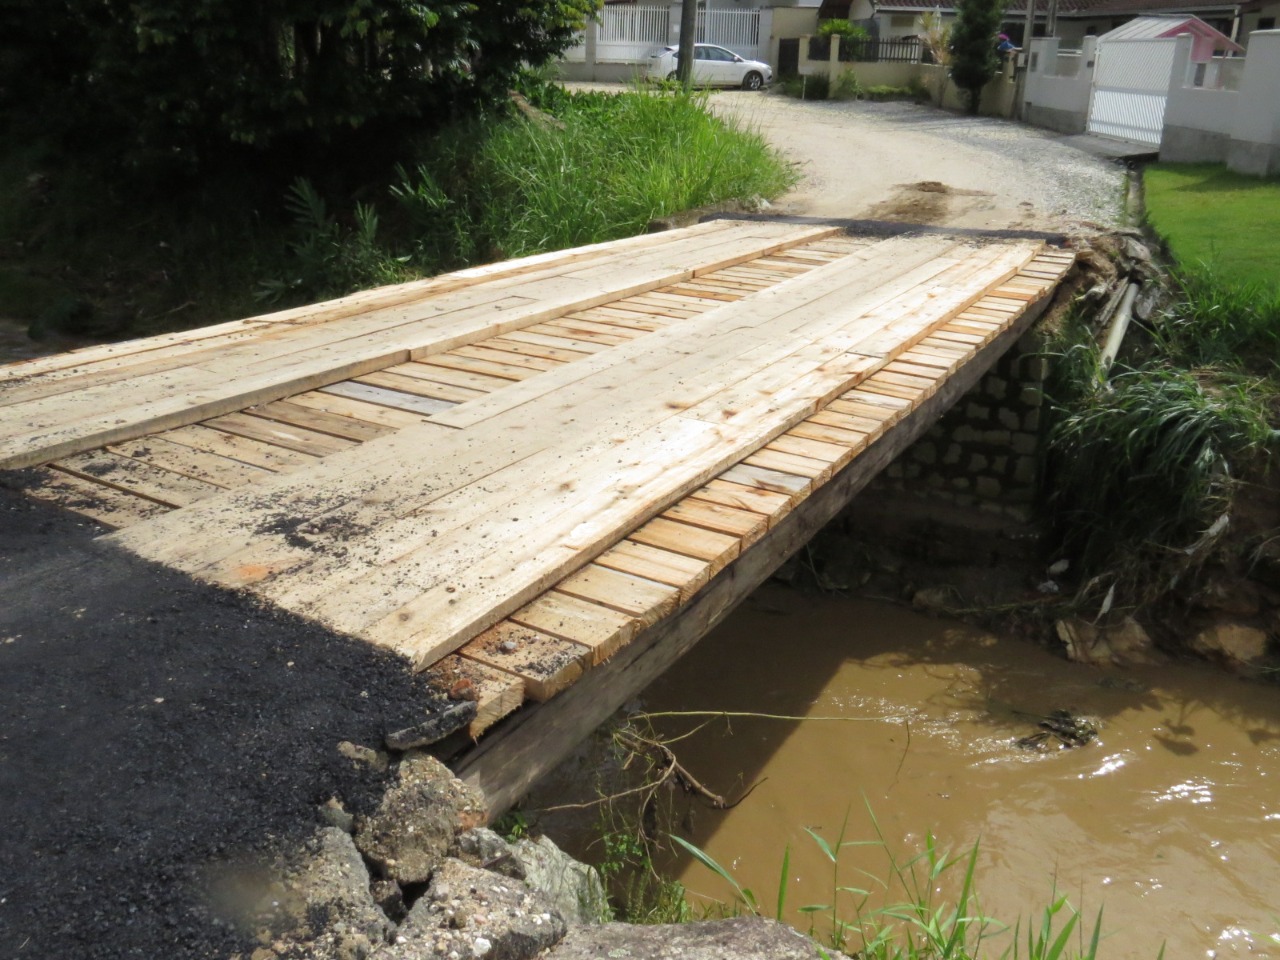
{"points": [[713, 66]]}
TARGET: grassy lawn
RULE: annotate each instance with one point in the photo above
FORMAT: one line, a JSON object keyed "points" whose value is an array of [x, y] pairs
{"points": [[1210, 215]]}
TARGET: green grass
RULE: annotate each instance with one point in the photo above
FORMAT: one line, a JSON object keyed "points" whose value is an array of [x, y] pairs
{"points": [[1214, 218]]}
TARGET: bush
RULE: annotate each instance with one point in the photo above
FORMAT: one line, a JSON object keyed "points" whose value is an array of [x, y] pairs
{"points": [[815, 86], [842, 28], [846, 87]]}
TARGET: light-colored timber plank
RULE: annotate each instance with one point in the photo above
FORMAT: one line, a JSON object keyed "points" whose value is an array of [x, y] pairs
{"points": [[813, 429], [496, 351], [418, 384], [557, 330], [646, 600], [388, 397], [544, 341], [579, 326], [334, 424], [795, 486], [107, 505], [867, 427], [253, 452], [544, 664], [496, 692], [134, 476], [212, 468], [882, 387], [357, 409], [767, 503], [829, 451], [453, 372], [818, 470], [686, 574], [471, 365], [602, 629], [743, 524], [717, 549], [280, 434]]}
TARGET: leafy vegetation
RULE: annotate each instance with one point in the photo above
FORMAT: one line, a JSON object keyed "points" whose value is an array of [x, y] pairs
{"points": [[814, 86], [974, 62], [1218, 220], [917, 923], [595, 167], [837, 27]]}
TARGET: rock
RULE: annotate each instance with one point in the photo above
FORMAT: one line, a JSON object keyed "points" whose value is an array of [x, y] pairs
{"points": [[366, 755], [453, 717], [321, 907], [742, 938], [468, 913], [575, 888], [414, 825], [1235, 644], [483, 848], [1129, 643], [1081, 640], [390, 898], [334, 814], [934, 599]]}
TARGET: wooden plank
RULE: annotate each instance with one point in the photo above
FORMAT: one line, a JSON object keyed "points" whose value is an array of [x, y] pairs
{"points": [[497, 350], [747, 526], [347, 406], [717, 549], [133, 476], [418, 385], [767, 503], [253, 452], [333, 424], [388, 397], [818, 470], [281, 435], [567, 346], [211, 468], [602, 629], [644, 599], [795, 486], [686, 574], [496, 692], [108, 506], [454, 360], [557, 330], [544, 664], [813, 429], [504, 768], [453, 372]]}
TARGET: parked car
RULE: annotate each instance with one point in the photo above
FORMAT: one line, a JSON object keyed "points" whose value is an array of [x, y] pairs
{"points": [[713, 66]]}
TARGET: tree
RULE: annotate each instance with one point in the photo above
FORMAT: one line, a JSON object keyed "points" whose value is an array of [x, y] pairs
{"points": [[179, 80], [974, 62]]}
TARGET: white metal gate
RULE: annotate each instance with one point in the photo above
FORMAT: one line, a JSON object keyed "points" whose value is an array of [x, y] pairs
{"points": [[1130, 85], [628, 32], [739, 30]]}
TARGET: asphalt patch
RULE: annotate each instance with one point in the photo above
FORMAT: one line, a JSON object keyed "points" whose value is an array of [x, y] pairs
{"points": [[153, 730]]}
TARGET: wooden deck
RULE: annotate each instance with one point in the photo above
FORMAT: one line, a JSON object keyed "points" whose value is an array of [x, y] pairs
{"points": [[510, 474]]}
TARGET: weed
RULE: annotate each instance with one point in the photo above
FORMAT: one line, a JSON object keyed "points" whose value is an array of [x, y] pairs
{"points": [[815, 86], [846, 86]]}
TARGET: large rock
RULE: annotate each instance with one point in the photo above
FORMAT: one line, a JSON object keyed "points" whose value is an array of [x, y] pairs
{"points": [[575, 888], [483, 848], [1125, 643], [320, 906], [743, 938], [411, 831], [468, 913], [1236, 644]]}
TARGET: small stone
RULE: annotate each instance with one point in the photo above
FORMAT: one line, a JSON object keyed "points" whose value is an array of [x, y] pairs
{"points": [[952, 456], [508, 646], [1031, 397], [925, 453], [998, 438], [976, 411], [978, 463], [1024, 470], [1024, 443], [1008, 418], [366, 755], [996, 387], [335, 815], [1236, 644], [988, 487]]}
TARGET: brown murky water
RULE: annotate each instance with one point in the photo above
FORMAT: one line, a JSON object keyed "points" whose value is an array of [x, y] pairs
{"points": [[1168, 820]]}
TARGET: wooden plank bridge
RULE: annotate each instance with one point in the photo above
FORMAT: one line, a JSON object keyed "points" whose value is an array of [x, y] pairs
{"points": [[525, 477]]}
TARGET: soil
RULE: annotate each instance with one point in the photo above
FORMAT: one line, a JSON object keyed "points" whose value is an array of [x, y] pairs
{"points": [[910, 162], [152, 726]]}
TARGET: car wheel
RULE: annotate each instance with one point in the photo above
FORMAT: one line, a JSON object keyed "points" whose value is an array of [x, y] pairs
{"points": [[752, 81]]}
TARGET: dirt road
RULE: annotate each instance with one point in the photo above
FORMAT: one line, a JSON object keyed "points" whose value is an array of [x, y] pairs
{"points": [[900, 161]]}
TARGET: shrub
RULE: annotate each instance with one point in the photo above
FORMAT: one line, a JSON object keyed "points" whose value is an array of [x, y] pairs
{"points": [[846, 87], [842, 28], [816, 86]]}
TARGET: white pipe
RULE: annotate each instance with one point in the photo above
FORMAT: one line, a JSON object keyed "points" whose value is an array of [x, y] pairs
{"points": [[1119, 325]]}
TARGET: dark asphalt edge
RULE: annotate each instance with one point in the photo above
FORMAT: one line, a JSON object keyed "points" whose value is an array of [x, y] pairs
{"points": [[893, 228]]}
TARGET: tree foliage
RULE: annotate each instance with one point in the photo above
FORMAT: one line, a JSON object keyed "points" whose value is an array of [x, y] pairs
{"points": [[178, 80], [974, 61]]}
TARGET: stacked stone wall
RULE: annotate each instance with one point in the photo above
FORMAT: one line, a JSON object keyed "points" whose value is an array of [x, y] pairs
{"points": [[984, 453]]}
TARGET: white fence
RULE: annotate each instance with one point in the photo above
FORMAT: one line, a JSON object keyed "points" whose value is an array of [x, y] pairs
{"points": [[739, 30], [627, 33], [1130, 84]]}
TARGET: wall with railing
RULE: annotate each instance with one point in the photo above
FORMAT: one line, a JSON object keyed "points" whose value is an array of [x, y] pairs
{"points": [[1226, 110], [1057, 86]]}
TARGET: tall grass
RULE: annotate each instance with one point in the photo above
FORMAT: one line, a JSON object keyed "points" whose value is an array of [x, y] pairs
{"points": [[1145, 461], [1213, 321], [917, 923]]}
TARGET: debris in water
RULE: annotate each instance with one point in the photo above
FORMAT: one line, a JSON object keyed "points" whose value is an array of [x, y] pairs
{"points": [[1059, 728]]}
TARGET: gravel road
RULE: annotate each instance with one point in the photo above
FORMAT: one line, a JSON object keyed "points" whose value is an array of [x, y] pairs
{"points": [[901, 161]]}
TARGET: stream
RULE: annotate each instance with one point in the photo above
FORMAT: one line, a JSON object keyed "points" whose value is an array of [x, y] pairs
{"points": [[1166, 821]]}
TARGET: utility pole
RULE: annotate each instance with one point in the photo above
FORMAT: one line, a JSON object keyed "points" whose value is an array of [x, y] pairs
{"points": [[688, 33], [1030, 29]]}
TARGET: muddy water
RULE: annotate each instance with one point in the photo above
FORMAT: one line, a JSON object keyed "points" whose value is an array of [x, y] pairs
{"points": [[1169, 819]]}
